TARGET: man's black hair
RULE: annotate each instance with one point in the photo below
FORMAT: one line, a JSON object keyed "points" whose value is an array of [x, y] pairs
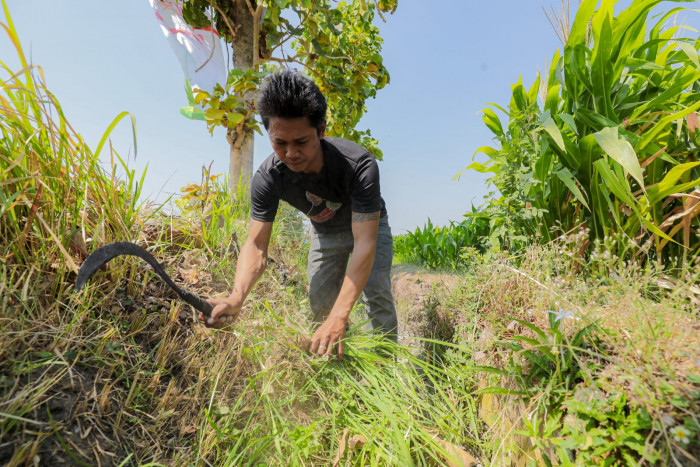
{"points": [[289, 94]]}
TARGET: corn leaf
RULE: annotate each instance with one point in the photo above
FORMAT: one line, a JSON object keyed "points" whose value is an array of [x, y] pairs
{"points": [[565, 176], [621, 151]]}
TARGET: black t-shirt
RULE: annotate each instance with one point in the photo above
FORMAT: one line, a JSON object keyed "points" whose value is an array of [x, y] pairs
{"points": [[349, 181]]}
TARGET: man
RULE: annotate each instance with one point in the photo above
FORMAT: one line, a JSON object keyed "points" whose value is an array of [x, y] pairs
{"points": [[335, 183]]}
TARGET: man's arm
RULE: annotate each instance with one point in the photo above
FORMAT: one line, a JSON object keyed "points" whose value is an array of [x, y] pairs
{"points": [[332, 331], [251, 265]]}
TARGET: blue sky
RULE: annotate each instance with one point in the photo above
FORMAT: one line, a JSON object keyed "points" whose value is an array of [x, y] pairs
{"points": [[447, 60]]}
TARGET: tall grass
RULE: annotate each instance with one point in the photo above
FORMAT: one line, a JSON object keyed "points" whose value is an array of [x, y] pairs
{"points": [[56, 195], [613, 147]]}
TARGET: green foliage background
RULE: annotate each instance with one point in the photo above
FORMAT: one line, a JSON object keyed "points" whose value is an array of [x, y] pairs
{"points": [[611, 146]]}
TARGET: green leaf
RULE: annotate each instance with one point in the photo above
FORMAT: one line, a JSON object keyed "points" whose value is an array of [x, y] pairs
{"points": [[500, 390], [201, 95], [133, 134], [690, 52], [481, 168], [622, 191], [552, 99], [235, 118], [551, 127], [668, 186], [621, 151], [593, 120], [188, 92], [534, 328], [492, 122], [214, 114], [565, 176], [661, 125], [569, 121], [580, 27], [192, 112], [488, 150], [489, 369], [108, 131]]}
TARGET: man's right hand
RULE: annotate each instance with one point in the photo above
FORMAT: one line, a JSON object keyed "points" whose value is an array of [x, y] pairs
{"points": [[225, 312]]}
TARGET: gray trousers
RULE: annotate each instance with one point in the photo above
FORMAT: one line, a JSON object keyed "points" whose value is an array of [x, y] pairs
{"points": [[328, 260]]}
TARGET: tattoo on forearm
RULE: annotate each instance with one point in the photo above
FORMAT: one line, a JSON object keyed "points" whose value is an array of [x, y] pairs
{"points": [[365, 216]]}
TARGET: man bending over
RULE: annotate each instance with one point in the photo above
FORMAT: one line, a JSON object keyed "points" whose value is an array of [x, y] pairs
{"points": [[335, 183]]}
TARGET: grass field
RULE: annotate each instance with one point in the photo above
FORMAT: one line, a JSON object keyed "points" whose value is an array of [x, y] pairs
{"points": [[545, 357]]}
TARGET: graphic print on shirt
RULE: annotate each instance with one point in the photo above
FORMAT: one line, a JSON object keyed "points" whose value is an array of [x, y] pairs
{"points": [[321, 210]]}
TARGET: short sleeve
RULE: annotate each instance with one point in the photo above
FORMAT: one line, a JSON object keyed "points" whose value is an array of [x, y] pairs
{"points": [[366, 194], [264, 199]]}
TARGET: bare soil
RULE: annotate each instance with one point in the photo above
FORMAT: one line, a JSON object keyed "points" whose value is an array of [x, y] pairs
{"points": [[416, 303]]}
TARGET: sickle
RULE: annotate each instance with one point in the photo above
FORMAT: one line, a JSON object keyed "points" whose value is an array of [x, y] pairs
{"points": [[106, 253]]}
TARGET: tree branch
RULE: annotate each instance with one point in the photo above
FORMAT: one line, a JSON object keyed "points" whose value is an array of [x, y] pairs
{"points": [[250, 8], [228, 23], [379, 11]]}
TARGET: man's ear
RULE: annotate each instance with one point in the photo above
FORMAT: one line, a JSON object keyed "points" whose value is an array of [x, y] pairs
{"points": [[322, 131]]}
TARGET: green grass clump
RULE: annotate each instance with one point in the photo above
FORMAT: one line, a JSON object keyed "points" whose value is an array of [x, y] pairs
{"points": [[584, 368]]}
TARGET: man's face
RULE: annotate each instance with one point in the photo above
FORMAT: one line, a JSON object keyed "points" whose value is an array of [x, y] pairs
{"points": [[297, 144]]}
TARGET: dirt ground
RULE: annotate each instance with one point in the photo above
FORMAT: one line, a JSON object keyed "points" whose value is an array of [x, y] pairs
{"points": [[414, 294]]}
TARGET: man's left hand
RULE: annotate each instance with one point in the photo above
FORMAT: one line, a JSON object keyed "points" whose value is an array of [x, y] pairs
{"points": [[329, 336]]}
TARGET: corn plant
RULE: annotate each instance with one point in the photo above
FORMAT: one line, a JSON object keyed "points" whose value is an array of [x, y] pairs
{"points": [[613, 145], [443, 247]]}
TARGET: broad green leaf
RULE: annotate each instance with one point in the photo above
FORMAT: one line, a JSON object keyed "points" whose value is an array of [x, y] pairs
{"points": [[569, 121], [551, 127], [661, 125], [492, 122], [565, 176], [601, 63], [214, 114], [519, 97], [579, 29], [593, 120], [235, 117], [621, 151], [534, 89], [625, 195], [479, 167], [201, 95], [668, 186], [488, 150], [634, 63], [543, 163], [673, 88], [192, 112], [551, 103], [618, 187], [690, 52], [589, 151]]}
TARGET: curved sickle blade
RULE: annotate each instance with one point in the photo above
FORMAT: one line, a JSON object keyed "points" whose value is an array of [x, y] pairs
{"points": [[106, 253]]}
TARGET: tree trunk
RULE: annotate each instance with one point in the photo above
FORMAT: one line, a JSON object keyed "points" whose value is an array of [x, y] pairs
{"points": [[241, 153]]}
